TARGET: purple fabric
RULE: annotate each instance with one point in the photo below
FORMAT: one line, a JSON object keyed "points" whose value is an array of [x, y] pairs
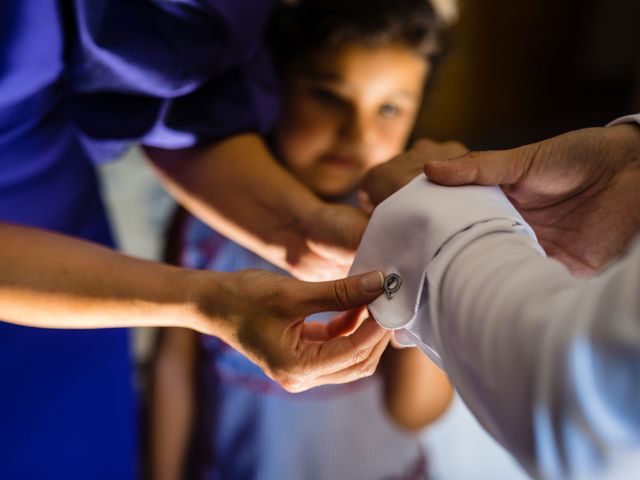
{"points": [[186, 72], [78, 82]]}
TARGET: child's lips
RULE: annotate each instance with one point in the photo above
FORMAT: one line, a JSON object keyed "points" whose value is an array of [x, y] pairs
{"points": [[343, 161]]}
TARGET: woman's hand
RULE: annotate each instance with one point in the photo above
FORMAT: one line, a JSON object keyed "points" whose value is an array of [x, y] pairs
{"points": [[262, 315], [326, 246], [53, 281], [239, 189]]}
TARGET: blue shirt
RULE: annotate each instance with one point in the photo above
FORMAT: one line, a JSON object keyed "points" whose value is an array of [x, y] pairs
{"points": [[79, 81]]}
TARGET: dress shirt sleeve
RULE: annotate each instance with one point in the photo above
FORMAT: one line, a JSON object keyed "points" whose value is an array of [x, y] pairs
{"points": [[626, 119], [548, 363], [407, 231], [170, 74]]}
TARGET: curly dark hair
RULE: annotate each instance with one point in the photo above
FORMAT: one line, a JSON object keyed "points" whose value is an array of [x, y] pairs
{"points": [[301, 27]]}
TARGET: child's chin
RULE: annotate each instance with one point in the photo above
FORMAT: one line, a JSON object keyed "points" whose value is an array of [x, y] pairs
{"points": [[334, 193]]}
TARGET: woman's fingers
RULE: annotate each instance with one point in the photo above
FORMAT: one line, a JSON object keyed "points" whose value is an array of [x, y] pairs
{"points": [[347, 322], [342, 352], [294, 353], [360, 370], [309, 360], [343, 324], [338, 295]]}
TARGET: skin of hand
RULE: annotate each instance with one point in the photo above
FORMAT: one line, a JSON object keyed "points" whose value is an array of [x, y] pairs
{"points": [[387, 178], [240, 190], [265, 320], [579, 191]]}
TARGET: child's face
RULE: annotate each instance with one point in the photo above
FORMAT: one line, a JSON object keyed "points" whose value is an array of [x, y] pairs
{"points": [[347, 110]]}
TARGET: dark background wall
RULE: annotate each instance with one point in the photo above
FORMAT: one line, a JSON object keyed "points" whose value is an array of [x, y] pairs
{"points": [[522, 70]]}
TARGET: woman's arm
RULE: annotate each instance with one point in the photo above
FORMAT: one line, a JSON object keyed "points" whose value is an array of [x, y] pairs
{"points": [[54, 281], [50, 280], [417, 392], [172, 403], [238, 188]]}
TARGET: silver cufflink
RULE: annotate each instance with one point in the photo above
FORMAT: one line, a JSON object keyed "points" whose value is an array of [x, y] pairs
{"points": [[392, 284]]}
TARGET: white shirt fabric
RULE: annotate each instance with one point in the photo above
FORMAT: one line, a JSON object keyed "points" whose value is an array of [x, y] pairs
{"points": [[626, 119], [548, 363]]}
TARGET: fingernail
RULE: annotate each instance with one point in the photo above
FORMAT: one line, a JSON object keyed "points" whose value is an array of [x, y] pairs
{"points": [[372, 282]]}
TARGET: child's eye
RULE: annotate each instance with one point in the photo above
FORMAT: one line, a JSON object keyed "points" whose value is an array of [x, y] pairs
{"points": [[327, 97], [389, 110]]}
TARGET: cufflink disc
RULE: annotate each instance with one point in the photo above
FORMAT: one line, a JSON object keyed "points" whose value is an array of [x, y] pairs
{"points": [[392, 284]]}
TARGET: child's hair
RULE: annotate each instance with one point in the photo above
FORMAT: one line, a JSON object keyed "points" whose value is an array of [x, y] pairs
{"points": [[303, 26]]}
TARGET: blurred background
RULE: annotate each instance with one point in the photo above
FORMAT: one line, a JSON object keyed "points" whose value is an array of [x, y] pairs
{"points": [[521, 71], [516, 72]]}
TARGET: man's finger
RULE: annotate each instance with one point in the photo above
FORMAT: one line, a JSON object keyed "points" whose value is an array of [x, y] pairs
{"points": [[339, 295], [499, 167]]}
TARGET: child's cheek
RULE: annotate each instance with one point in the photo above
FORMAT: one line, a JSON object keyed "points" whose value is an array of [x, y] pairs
{"points": [[308, 131], [391, 142], [302, 144]]}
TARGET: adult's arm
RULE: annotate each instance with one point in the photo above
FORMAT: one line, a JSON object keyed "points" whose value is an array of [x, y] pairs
{"points": [[50, 280], [238, 188], [194, 83], [550, 364], [547, 362], [578, 191], [54, 281]]}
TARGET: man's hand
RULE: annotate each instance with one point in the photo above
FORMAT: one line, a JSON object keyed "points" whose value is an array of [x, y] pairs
{"points": [[263, 316], [579, 191], [386, 179]]}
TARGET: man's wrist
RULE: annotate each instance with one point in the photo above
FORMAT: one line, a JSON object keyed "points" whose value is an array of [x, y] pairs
{"points": [[626, 144]]}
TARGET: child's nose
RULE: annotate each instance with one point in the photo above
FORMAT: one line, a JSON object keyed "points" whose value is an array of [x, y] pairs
{"points": [[357, 129]]}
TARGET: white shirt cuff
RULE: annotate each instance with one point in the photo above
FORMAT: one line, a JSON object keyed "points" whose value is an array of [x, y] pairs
{"points": [[405, 234], [626, 119]]}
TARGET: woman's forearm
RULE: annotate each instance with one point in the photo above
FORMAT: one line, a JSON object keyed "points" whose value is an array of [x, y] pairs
{"points": [[238, 188], [54, 281], [49, 280]]}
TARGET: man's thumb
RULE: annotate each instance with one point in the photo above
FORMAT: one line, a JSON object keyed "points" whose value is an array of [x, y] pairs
{"points": [[346, 293], [498, 167]]}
